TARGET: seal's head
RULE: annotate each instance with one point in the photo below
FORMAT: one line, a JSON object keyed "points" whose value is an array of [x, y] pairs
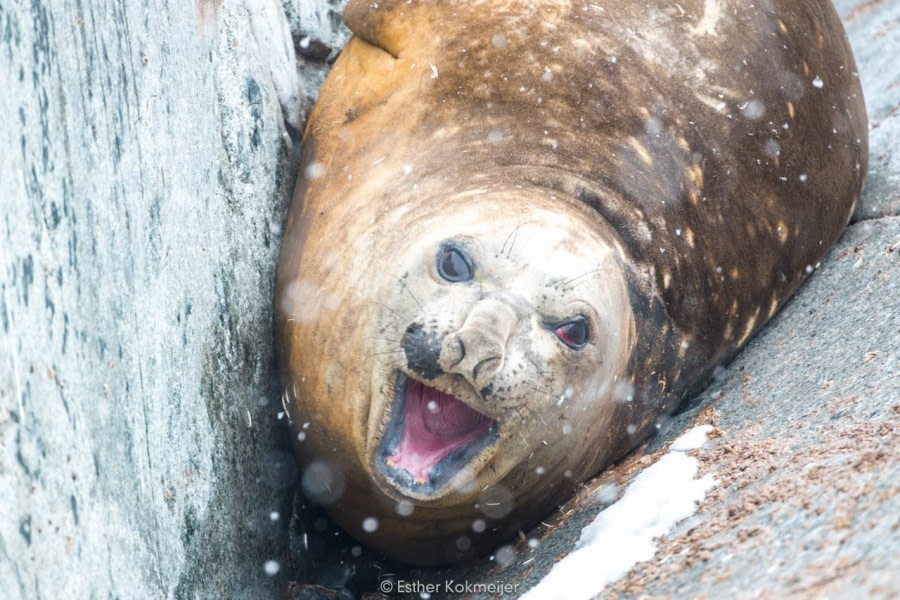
{"points": [[473, 365], [486, 334]]}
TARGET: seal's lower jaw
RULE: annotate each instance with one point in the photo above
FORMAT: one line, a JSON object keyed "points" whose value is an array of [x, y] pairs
{"points": [[432, 439]]}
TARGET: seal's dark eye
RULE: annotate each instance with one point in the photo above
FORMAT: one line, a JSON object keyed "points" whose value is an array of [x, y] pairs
{"points": [[454, 264], [574, 333]]}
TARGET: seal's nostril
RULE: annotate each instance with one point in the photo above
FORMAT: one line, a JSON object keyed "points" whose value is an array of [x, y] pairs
{"points": [[461, 348], [475, 351], [453, 352], [486, 369]]}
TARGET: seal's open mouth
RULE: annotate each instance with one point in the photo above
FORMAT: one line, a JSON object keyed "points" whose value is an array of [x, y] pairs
{"points": [[431, 436]]}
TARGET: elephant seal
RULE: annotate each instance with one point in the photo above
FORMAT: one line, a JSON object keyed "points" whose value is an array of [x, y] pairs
{"points": [[526, 230]]}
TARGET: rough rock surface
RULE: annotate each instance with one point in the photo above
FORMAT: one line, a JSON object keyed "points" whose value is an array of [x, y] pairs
{"points": [[874, 30], [144, 177]]}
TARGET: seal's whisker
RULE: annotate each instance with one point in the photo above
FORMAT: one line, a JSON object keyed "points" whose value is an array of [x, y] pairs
{"points": [[545, 392], [511, 240], [393, 311], [569, 284], [567, 373], [537, 367], [406, 289], [374, 354], [521, 411], [382, 339]]}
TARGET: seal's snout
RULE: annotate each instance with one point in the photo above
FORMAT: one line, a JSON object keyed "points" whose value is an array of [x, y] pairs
{"points": [[422, 349], [476, 350], [473, 354]]}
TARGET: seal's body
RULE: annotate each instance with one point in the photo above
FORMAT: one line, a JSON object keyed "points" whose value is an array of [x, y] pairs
{"points": [[526, 230]]}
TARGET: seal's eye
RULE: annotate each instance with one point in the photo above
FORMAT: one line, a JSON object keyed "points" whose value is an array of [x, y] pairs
{"points": [[454, 264], [574, 333]]}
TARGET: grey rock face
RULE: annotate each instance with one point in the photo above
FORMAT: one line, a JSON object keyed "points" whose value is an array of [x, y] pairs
{"points": [[873, 32], [144, 177], [319, 34]]}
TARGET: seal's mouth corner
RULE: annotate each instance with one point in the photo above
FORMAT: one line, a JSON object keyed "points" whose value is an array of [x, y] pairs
{"points": [[431, 436]]}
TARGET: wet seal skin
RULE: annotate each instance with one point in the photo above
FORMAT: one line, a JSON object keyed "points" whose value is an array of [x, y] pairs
{"points": [[526, 230]]}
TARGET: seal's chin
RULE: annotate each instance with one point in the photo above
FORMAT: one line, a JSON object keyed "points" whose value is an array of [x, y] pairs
{"points": [[431, 437]]}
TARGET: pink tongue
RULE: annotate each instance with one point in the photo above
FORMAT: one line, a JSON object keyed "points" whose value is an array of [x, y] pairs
{"points": [[435, 425]]}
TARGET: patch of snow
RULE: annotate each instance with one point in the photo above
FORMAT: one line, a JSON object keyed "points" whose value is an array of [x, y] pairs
{"points": [[692, 439], [623, 534]]}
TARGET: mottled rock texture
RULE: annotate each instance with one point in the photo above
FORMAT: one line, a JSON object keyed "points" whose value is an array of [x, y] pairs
{"points": [[145, 173]]}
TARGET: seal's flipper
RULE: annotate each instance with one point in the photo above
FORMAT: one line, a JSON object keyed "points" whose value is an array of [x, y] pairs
{"points": [[386, 25]]}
